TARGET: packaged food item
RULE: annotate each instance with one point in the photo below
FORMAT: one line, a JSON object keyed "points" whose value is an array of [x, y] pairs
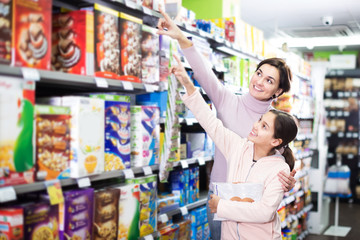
{"points": [[170, 232], [148, 205], [17, 98], [130, 58], [11, 224], [150, 57], [41, 221], [164, 46], [52, 142], [5, 31], [179, 181], [184, 229], [117, 131], [73, 42], [107, 48], [129, 212], [76, 214], [32, 33], [106, 214], [145, 131], [86, 132]]}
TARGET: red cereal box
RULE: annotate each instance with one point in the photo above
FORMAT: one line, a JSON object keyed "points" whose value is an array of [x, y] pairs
{"points": [[11, 224], [31, 33], [73, 42]]}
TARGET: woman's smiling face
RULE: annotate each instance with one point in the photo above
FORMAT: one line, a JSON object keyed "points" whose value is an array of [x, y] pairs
{"points": [[265, 83]]}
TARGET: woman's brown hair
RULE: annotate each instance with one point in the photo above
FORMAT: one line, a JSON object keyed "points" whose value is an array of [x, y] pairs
{"points": [[285, 129], [284, 72]]}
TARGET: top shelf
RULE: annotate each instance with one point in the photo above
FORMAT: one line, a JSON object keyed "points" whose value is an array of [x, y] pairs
{"points": [[342, 73]]}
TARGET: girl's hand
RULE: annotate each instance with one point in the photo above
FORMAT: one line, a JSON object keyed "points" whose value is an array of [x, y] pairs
{"points": [[287, 181], [182, 76], [172, 30], [213, 203]]}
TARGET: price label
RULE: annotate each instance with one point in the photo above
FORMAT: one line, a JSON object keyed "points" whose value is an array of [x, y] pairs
{"points": [[340, 94], [184, 210], [354, 94], [348, 134], [227, 43], [84, 182], [127, 85], [164, 218], [149, 237], [101, 82], [339, 113], [347, 94], [328, 94], [149, 88], [346, 114], [147, 170], [328, 134], [355, 135], [128, 173], [147, 11], [188, 121], [54, 191], [7, 194], [201, 161], [31, 74], [184, 164], [332, 114], [130, 4], [350, 156], [341, 134]]}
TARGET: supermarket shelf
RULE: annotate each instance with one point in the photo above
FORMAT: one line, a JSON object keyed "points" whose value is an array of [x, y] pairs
{"points": [[294, 217], [302, 76], [347, 155], [302, 137], [199, 160], [303, 235], [291, 198], [302, 155], [337, 114], [343, 73], [340, 94], [301, 174], [342, 134]]}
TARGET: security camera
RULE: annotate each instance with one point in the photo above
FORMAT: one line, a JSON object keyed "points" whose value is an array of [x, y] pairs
{"points": [[327, 20]]}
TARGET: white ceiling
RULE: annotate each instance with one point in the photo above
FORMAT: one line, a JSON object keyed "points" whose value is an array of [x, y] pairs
{"points": [[294, 18]]}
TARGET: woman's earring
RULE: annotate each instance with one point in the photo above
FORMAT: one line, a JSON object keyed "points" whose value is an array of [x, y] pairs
{"points": [[274, 96]]}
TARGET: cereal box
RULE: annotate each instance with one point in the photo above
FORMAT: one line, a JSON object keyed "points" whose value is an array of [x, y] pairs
{"points": [[117, 131], [87, 135], [76, 214], [129, 212], [130, 57], [107, 48], [17, 99], [32, 33], [52, 142], [11, 224], [5, 31], [145, 131], [106, 214], [150, 57], [73, 42]]}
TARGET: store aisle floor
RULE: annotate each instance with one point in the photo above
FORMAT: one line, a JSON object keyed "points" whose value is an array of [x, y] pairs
{"points": [[349, 215]]}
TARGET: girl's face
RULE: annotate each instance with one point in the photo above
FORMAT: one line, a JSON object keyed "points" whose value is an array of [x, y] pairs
{"points": [[265, 83], [262, 132]]}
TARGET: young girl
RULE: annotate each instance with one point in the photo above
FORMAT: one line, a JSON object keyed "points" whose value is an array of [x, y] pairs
{"points": [[256, 159], [238, 113]]}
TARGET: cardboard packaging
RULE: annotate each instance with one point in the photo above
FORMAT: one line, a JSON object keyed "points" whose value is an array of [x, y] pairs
{"points": [[31, 33], [52, 142], [11, 224], [5, 31], [150, 58], [130, 58], [107, 48], [106, 214], [117, 131], [145, 131], [73, 42], [76, 214], [17, 98], [129, 212]]}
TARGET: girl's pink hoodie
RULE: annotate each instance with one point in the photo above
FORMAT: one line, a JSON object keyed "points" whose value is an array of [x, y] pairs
{"points": [[247, 221]]}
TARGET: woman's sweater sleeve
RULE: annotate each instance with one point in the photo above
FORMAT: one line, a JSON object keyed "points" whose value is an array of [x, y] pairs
{"points": [[257, 212], [223, 138], [218, 94]]}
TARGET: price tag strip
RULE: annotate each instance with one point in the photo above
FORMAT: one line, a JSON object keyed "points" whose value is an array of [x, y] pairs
{"points": [[201, 161], [147, 170], [149, 88], [101, 82], [7, 194], [129, 173], [147, 11], [184, 164], [164, 218], [54, 191], [149, 237], [83, 182], [184, 210], [31, 74], [127, 85]]}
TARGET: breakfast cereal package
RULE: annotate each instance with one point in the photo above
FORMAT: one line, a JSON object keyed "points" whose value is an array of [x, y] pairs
{"points": [[150, 55], [17, 98], [32, 33], [73, 42], [11, 224]]}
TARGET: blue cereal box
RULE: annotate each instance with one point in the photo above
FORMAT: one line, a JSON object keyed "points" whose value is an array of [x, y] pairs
{"points": [[178, 185], [117, 131]]}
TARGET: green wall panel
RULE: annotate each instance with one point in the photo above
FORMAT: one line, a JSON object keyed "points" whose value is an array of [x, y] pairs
{"points": [[205, 9]]}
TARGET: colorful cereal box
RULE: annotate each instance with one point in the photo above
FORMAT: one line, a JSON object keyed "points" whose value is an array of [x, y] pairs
{"points": [[150, 55], [11, 224], [17, 99]]}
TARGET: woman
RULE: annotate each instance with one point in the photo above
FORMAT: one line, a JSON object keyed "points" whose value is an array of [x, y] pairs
{"points": [[256, 159], [238, 113]]}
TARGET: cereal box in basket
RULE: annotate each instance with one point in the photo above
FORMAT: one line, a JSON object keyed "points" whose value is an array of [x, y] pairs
{"points": [[117, 131], [73, 42], [17, 99], [31, 45], [52, 142]]}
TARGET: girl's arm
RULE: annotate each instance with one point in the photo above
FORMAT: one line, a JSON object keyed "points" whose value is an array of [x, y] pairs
{"points": [[256, 212], [226, 140], [217, 93]]}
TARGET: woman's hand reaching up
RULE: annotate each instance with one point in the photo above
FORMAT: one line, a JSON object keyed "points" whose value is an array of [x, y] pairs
{"points": [[182, 76]]}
